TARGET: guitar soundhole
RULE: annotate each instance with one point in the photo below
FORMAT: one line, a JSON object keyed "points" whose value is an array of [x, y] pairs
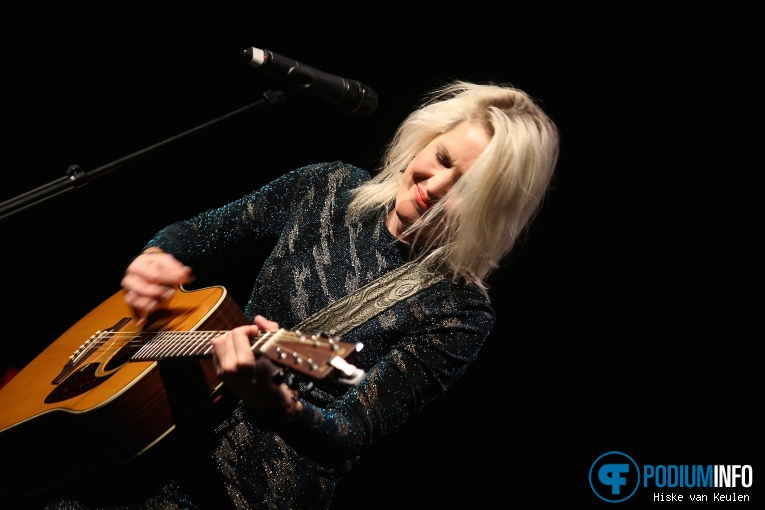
{"points": [[122, 356], [85, 379]]}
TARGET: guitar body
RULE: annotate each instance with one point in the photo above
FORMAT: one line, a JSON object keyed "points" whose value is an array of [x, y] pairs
{"points": [[60, 418]]}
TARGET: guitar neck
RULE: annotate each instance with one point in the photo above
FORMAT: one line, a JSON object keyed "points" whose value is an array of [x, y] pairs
{"points": [[312, 355], [176, 344]]}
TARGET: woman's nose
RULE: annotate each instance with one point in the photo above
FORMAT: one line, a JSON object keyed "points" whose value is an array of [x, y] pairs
{"points": [[439, 184]]}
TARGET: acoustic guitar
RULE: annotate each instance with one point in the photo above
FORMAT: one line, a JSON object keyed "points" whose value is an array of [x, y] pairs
{"points": [[104, 393]]}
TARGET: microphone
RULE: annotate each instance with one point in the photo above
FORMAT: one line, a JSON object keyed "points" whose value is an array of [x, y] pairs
{"points": [[349, 95]]}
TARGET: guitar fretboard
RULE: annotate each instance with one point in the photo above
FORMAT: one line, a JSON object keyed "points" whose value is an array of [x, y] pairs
{"points": [[173, 344]]}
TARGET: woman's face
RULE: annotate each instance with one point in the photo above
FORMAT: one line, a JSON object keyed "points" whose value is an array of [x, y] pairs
{"points": [[434, 171]]}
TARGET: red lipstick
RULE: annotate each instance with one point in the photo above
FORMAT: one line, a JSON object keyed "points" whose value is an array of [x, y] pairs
{"points": [[420, 197]]}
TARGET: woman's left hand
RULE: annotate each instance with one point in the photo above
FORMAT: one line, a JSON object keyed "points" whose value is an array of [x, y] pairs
{"points": [[250, 376]]}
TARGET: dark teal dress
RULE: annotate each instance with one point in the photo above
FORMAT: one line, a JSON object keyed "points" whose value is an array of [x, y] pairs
{"points": [[412, 354]]}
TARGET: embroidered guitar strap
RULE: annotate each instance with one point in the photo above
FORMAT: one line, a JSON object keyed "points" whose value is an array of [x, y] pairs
{"points": [[370, 300]]}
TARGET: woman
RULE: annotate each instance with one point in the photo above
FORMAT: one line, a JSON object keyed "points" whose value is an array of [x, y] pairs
{"points": [[461, 179]]}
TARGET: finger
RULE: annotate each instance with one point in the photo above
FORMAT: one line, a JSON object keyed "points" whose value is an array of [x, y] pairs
{"points": [[160, 268], [265, 324], [242, 342], [223, 353], [137, 289], [167, 294], [142, 308]]}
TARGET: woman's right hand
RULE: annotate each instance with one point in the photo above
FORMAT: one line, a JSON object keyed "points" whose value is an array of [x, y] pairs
{"points": [[151, 278]]}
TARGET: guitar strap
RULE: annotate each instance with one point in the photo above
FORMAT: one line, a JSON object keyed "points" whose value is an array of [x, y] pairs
{"points": [[370, 300]]}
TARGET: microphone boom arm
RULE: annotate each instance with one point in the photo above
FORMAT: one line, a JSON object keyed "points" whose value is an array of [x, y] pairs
{"points": [[76, 177]]}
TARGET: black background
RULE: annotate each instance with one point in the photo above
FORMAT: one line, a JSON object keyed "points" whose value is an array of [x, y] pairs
{"points": [[627, 318]]}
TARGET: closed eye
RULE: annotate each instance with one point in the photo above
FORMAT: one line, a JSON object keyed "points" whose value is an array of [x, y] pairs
{"points": [[443, 158]]}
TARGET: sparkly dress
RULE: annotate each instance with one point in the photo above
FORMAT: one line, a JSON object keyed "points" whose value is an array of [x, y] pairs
{"points": [[412, 353]]}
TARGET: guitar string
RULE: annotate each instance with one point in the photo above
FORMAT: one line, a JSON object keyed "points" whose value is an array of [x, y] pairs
{"points": [[187, 338]]}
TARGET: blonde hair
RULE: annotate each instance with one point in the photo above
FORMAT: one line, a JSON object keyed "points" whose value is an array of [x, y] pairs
{"points": [[500, 194]]}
